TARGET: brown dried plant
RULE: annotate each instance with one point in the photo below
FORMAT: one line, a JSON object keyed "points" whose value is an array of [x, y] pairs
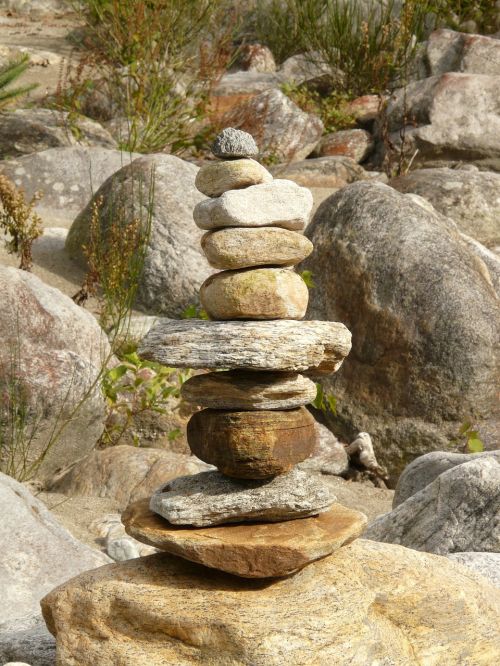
{"points": [[19, 221]]}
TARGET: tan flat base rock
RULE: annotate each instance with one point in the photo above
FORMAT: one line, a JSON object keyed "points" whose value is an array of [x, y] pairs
{"points": [[368, 603], [251, 550]]}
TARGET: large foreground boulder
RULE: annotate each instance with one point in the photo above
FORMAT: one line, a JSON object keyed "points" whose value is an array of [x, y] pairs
{"points": [[37, 553], [448, 118], [126, 473], [457, 512], [26, 131], [175, 266], [66, 177], [368, 603], [424, 318], [470, 198], [51, 356]]}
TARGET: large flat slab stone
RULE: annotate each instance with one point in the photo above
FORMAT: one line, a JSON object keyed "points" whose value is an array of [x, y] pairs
{"points": [[210, 498], [284, 345], [252, 550]]}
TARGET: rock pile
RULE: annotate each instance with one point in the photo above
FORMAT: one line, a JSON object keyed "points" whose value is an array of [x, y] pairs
{"points": [[254, 426]]}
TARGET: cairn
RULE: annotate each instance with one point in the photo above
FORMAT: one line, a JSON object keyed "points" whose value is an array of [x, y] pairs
{"points": [[258, 515]]}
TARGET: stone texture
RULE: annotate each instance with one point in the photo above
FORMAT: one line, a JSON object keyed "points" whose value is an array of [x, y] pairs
{"points": [[26, 131], [252, 445], [37, 9], [304, 68], [469, 198], [368, 603], [249, 390], [67, 177], [243, 248], [458, 512], [233, 143], [51, 355], [175, 266], [364, 109], [255, 550], [450, 51], [354, 143], [281, 204], [255, 293], [453, 117], [486, 564], [332, 172], [426, 469], [424, 317], [210, 498], [237, 88], [257, 58], [125, 473], [215, 178], [37, 554], [329, 456], [280, 128], [289, 346]]}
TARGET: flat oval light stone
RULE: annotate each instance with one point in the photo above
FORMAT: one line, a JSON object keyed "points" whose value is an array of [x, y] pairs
{"points": [[215, 178], [249, 390], [252, 444], [210, 498], [281, 203], [283, 345], [232, 143], [230, 249], [259, 293]]}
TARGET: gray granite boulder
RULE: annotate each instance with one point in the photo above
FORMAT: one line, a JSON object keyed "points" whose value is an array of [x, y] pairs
{"points": [[175, 266], [424, 318], [469, 198], [458, 512], [450, 51], [26, 131], [37, 555], [425, 469], [51, 356], [486, 564], [66, 177]]}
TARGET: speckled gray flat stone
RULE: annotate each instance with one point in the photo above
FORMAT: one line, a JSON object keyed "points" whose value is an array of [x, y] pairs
{"points": [[210, 498], [233, 143]]}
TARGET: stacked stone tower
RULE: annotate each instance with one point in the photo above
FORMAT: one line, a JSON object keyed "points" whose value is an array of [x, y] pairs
{"points": [[258, 515]]}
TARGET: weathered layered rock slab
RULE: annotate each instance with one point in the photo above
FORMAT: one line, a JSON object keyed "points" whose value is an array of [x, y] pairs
{"points": [[292, 346], [215, 178], [368, 603], [252, 445], [249, 390], [253, 550], [258, 293], [281, 203], [210, 498], [242, 248]]}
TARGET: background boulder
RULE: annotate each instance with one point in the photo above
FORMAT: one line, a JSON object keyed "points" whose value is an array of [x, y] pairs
{"points": [[424, 318]]}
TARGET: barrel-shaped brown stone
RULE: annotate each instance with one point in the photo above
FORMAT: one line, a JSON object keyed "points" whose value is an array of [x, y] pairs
{"points": [[234, 248], [252, 445], [260, 293], [218, 177]]}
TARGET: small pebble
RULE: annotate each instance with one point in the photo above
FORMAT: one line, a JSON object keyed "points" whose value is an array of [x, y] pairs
{"points": [[233, 143]]}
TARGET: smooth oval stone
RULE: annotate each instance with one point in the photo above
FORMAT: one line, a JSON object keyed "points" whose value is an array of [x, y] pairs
{"points": [[259, 293], [230, 249], [231, 143], [215, 178], [251, 550], [249, 390], [252, 445], [210, 498], [281, 203], [284, 345]]}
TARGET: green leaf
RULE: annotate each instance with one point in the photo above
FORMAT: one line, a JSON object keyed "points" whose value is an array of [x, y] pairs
{"points": [[307, 276], [475, 445], [116, 373], [463, 428], [174, 434], [332, 403]]}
